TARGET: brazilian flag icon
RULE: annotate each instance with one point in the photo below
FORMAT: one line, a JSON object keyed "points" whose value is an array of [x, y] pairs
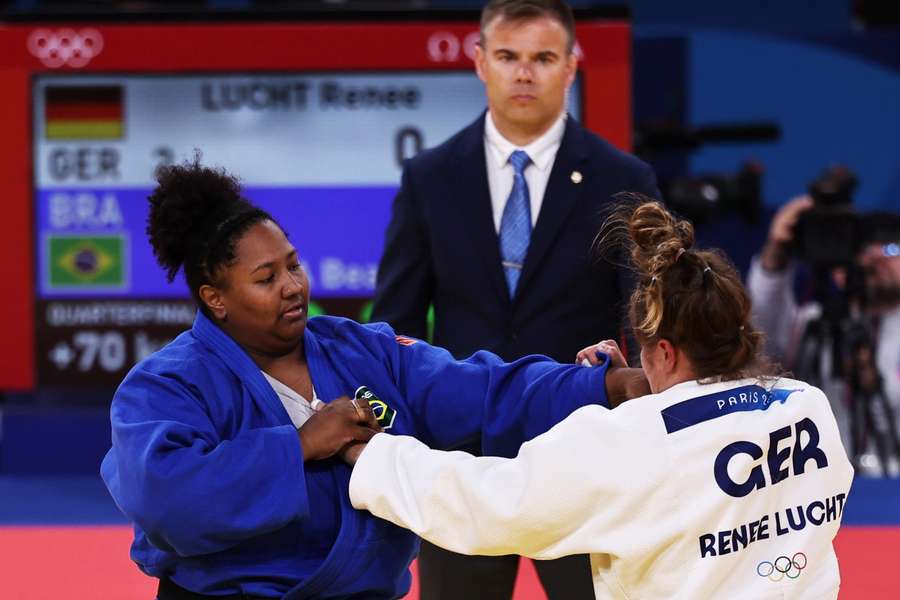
{"points": [[384, 414], [87, 261]]}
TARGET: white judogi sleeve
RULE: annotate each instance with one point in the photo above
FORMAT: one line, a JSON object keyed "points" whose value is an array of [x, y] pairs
{"points": [[565, 493]]}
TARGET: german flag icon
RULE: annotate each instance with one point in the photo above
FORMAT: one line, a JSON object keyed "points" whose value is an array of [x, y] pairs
{"points": [[84, 112]]}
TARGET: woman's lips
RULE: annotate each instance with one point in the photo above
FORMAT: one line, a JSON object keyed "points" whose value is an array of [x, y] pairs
{"points": [[294, 312]]}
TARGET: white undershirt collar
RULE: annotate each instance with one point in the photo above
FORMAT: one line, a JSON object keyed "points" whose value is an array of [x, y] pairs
{"points": [[541, 151]]}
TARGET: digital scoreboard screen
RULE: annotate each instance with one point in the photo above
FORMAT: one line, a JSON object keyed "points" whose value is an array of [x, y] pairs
{"points": [[314, 112], [321, 152]]}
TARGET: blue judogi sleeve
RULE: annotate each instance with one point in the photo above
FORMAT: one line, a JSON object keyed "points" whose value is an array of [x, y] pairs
{"points": [[506, 404], [192, 490]]}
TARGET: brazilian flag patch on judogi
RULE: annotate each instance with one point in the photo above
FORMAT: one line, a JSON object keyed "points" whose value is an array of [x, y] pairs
{"points": [[384, 414]]}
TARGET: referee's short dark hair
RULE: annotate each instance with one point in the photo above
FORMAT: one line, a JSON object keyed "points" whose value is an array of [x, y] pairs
{"points": [[520, 10]]}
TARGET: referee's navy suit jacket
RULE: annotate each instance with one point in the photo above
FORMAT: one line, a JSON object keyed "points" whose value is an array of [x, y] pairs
{"points": [[441, 247]]}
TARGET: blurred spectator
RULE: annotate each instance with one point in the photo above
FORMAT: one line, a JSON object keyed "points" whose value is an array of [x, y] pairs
{"points": [[856, 358]]}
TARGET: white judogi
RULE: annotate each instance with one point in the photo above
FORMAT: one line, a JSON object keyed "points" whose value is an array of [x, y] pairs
{"points": [[642, 488]]}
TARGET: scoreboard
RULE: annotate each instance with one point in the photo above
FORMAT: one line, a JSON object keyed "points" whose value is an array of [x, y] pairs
{"points": [[317, 139], [322, 153]]}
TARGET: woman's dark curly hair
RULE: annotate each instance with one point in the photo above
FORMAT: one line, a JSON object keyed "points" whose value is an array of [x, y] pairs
{"points": [[197, 216]]}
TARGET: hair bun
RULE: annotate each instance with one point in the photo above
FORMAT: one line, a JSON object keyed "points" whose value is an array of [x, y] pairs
{"points": [[184, 208], [658, 238]]}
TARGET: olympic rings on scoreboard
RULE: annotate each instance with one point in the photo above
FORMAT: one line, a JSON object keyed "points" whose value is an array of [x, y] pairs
{"points": [[445, 46], [65, 47], [782, 567]]}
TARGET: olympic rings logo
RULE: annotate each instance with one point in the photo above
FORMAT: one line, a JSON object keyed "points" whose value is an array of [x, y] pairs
{"points": [[782, 567], [444, 46], [65, 46]]}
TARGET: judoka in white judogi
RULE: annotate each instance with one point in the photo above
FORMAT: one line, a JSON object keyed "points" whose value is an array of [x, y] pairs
{"points": [[724, 490]]}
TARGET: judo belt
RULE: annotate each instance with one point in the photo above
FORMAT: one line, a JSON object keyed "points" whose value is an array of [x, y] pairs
{"points": [[169, 590]]}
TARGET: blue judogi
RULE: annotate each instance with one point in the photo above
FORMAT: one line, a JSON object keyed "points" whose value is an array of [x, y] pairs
{"points": [[206, 462]]}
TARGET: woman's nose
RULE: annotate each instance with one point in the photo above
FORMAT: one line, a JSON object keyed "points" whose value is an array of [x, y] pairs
{"points": [[294, 284]]}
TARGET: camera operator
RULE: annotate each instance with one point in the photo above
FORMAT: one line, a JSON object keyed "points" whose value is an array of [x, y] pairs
{"points": [[846, 339]]}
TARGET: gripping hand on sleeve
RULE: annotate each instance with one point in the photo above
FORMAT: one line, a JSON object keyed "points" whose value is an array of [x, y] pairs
{"points": [[622, 382], [335, 426], [588, 356]]}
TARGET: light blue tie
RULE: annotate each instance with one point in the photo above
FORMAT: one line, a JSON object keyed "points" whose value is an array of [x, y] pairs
{"points": [[515, 226]]}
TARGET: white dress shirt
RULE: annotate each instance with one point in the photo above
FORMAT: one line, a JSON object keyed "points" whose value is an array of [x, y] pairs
{"points": [[542, 153]]}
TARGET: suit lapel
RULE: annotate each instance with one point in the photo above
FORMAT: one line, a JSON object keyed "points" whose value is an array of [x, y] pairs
{"points": [[559, 199], [471, 193]]}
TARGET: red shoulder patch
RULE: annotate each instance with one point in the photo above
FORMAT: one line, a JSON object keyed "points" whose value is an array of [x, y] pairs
{"points": [[405, 341]]}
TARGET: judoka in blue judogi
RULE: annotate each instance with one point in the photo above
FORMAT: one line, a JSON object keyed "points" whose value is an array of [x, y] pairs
{"points": [[205, 459]]}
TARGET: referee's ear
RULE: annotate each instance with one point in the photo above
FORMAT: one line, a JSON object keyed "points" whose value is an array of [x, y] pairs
{"points": [[480, 58], [571, 68]]}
